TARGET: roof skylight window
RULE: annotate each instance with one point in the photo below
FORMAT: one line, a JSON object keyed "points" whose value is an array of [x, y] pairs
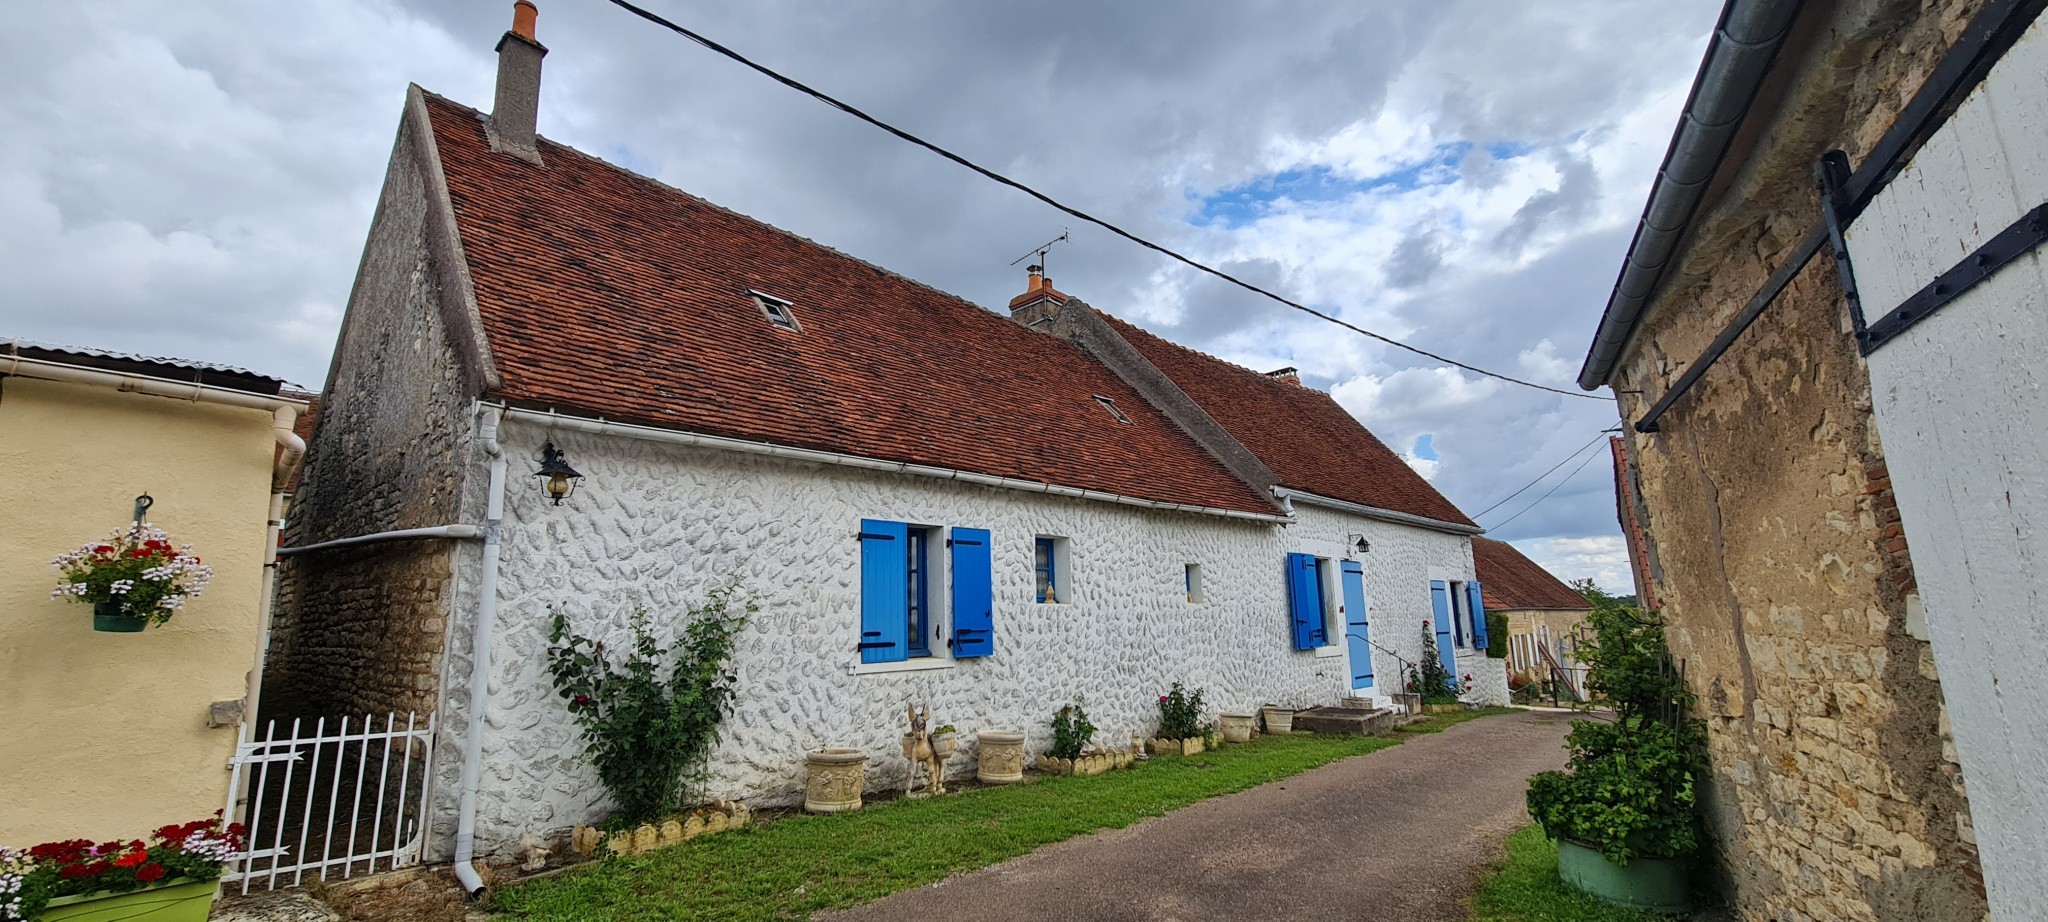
{"points": [[777, 310], [1110, 405]]}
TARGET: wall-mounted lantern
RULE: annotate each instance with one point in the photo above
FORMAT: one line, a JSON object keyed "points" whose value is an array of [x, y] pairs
{"points": [[561, 478], [1358, 544]]}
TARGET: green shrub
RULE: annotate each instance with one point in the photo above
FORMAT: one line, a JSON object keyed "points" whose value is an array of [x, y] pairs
{"points": [[1432, 679], [1630, 786], [647, 730], [1180, 713], [1496, 635], [1071, 732]]}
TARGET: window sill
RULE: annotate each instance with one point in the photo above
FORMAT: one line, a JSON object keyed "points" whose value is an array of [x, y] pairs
{"points": [[918, 664], [1053, 604], [1329, 650]]}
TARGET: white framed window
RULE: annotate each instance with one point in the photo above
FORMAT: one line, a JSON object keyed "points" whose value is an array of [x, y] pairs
{"points": [[778, 310]]}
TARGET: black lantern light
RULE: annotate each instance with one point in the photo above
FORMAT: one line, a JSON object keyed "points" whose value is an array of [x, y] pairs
{"points": [[1359, 544], [561, 477]]}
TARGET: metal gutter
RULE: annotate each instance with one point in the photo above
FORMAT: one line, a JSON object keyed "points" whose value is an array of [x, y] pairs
{"points": [[1288, 496], [677, 436], [433, 531], [1745, 42], [19, 366]]}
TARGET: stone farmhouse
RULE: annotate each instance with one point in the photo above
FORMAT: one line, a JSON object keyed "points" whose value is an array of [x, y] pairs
{"points": [[994, 515], [1825, 343], [1543, 614]]}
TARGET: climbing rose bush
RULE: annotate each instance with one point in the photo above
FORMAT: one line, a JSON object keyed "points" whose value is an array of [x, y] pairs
{"points": [[138, 567], [31, 878]]}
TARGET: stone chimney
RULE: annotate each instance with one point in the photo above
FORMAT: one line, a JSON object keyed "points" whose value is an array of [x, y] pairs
{"points": [[1290, 374], [1039, 300], [517, 108]]}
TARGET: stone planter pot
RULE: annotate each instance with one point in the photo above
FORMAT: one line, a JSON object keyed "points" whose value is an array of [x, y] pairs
{"points": [[179, 900], [1002, 757], [1237, 728], [1187, 747], [834, 779], [1443, 708], [1655, 884], [112, 618], [1278, 720], [944, 744], [1410, 702]]}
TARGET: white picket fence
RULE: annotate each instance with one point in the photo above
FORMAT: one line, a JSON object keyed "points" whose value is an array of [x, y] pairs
{"points": [[1525, 654], [352, 801]]}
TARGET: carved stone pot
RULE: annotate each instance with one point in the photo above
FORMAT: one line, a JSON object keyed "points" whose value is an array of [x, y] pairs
{"points": [[834, 779], [1002, 757], [1237, 728]]}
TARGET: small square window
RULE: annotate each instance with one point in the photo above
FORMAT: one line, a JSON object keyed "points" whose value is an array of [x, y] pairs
{"points": [[1194, 582], [1110, 405], [777, 310], [1051, 571]]}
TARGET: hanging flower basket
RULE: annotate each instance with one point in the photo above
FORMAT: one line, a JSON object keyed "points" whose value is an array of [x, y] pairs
{"points": [[133, 579]]}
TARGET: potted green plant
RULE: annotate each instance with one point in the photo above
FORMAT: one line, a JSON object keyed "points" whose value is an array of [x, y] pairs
{"points": [[1624, 811], [1071, 732], [135, 578], [173, 877]]}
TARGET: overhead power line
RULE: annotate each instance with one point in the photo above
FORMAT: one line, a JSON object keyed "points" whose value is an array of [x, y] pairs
{"points": [[992, 175], [1539, 477], [1546, 494]]}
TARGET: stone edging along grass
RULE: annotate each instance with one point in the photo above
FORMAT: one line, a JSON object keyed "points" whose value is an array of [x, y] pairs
{"points": [[802, 864]]}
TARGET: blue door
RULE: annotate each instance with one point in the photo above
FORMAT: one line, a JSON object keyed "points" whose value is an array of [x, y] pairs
{"points": [[1354, 626], [1446, 649]]}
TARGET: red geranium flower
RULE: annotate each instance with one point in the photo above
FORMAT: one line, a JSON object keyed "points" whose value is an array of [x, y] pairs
{"points": [[131, 859], [149, 872], [103, 549]]}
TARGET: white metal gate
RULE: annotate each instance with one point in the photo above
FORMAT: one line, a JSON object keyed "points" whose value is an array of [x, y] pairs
{"points": [[351, 801]]}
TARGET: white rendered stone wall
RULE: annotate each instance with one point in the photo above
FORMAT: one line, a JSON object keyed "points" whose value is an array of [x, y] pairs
{"points": [[654, 525], [1961, 400]]}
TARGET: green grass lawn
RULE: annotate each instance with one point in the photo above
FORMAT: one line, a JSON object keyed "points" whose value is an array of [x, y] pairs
{"points": [[802, 864], [1525, 888], [1436, 723]]}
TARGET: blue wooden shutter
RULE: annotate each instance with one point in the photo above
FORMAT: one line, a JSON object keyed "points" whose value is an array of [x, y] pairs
{"points": [[1304, 606], [974, 594], [1356, 638], [884, 592], [1475, 602], [1446, 651]]}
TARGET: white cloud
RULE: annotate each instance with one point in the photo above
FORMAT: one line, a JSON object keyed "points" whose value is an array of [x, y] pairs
{"points": [[1603, 559]]}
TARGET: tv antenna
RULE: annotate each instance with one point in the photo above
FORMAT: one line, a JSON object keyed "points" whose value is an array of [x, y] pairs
{"points": [[1040, 252]]}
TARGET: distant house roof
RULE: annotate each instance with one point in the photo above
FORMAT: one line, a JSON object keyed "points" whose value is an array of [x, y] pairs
{"points": [[606, 293], [1302, 434], [1511, 581], [185, 370]]}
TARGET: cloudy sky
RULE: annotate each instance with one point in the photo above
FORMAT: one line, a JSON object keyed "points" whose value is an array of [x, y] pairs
{"points": [[1462, 175]]}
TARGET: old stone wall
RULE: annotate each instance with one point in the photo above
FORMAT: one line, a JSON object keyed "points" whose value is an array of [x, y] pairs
{"points": [[653, 526], [360, 630], [1782, 570]]}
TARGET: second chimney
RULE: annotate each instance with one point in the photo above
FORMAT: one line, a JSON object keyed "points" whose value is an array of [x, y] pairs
{"points": [[516, 110]]}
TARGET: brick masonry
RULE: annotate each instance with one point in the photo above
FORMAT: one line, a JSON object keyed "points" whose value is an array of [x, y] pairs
{"points": [[1779, 560]]}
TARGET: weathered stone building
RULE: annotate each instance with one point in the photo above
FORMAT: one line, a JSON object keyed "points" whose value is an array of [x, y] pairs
{"points": [[1759, 493]]}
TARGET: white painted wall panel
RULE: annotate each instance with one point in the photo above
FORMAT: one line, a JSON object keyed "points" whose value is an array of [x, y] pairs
{"points": [[1961, 402], [654, 525]]}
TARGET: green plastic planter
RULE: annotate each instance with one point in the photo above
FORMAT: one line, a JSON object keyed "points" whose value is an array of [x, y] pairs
{"points": [[111, 618], [178, 901], [1655, 884]]}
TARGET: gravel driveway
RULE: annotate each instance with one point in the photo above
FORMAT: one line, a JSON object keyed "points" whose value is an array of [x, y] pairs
{"points": [[1397, 834]]}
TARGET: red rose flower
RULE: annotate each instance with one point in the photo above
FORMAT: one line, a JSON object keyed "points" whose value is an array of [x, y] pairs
{"points": [[149, 872], [131, 859], [103, 549], [581, 701]]}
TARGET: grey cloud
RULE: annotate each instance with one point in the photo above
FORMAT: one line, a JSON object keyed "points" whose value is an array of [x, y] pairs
{"points": [[1577, 192], [1416, 260]]}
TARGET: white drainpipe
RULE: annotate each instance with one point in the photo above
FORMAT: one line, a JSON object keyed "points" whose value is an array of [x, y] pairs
{"points": [[480, 661]]}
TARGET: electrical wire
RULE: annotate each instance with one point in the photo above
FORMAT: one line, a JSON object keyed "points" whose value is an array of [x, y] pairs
{"points": [[992, 175], [1539, 477], [1546, 495]]}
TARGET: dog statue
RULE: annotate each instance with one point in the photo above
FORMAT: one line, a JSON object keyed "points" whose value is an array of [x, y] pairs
{"points": [[917, 747]]}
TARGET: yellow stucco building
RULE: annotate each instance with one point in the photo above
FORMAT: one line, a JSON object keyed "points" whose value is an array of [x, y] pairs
{"points": [[106, 735]]}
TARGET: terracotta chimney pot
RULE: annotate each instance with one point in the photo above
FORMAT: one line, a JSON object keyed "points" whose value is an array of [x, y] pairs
{"points": [[523, 15]]}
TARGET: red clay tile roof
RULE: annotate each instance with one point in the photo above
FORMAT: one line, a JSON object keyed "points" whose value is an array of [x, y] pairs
{"points": [[1511, 581], [1307, 440], [608, 293]]}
